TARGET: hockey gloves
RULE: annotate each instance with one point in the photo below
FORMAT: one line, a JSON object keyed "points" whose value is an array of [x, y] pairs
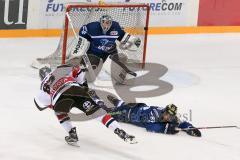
{"points": [[189, 129], [43, 72], [193, 132], [170, 128], [98, 101]]}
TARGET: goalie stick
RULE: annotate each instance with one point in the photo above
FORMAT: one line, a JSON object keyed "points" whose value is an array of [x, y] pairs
{"points": [[84, 56]]}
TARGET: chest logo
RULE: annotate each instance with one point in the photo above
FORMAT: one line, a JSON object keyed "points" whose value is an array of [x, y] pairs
{"points": [[114, 33]]}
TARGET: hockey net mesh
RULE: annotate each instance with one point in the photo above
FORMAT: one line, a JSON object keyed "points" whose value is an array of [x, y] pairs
{"points": [[133, 18]]}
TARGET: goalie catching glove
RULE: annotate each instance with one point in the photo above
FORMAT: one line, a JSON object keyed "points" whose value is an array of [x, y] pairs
{"points": [[130, 42]]}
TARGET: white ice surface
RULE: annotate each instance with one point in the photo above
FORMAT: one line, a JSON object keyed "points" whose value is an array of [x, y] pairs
{"points": [[205, 73]]}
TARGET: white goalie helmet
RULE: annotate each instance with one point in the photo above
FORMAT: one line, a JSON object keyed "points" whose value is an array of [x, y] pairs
{"points": [[106, 23]]}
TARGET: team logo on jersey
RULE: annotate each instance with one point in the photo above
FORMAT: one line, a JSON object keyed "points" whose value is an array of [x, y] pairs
{"points": [[152, 118], [87, 105], [114, 33], [104, 42]]}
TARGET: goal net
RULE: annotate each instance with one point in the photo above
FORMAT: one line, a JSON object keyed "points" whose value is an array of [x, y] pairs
{"points": [[133, 18]]}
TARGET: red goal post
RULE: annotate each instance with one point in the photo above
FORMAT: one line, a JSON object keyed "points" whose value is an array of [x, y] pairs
{"points": [[134, 18]]}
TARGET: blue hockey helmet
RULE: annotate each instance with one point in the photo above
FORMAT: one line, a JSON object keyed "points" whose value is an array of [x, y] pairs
{"points": [[43, 72], [106, 23]]}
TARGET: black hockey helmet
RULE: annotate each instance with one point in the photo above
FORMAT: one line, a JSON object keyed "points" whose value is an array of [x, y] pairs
{"points": [[106, 23], [171, 109], [43, 72], [168, 113]]}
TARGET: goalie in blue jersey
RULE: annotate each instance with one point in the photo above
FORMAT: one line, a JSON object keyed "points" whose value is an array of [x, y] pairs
{"points": [[103, 35], [153, 118], [98, 39]]}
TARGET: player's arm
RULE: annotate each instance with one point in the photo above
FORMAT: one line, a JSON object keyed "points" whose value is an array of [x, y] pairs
{"points": [[92, 94], [128, 41], [121, 32], [83, 32], [42, 100], [174, 123], [192, 132], [79, 75], [166, 128]]}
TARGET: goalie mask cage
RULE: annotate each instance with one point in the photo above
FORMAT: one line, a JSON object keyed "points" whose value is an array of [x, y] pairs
{"points": [[133, 18]]}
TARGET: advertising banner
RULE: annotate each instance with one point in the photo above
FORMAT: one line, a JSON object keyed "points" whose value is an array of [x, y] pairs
{"points": [[163, 13], [13, 14], [172, 12], [52, 13]]}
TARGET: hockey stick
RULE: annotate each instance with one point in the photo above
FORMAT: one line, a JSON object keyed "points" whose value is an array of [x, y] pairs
{"points": [[38, 107], [213, 127], [84, 56]]}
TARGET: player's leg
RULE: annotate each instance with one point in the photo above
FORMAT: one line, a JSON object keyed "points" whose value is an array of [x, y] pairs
{"points": [[115, 101], [95, 62], [117, 60], [69, 99], [81, 99], [62, 108], [118, 71], [113, 65], [112, 124], [120, 103]]}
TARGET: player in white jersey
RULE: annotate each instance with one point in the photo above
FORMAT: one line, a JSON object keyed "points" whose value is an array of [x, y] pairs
{"points": [[65, 88]]}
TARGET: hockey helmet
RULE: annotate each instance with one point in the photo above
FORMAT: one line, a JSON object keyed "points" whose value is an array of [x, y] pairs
{"points": [[43, 72], [106, 23], [171, 109]]}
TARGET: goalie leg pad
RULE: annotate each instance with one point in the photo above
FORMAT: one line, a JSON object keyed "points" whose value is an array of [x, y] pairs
{"points": [[117, 70], [96, 63]]}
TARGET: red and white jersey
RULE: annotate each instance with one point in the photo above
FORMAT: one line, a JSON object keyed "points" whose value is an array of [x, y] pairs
{"points": [[56, 82]]}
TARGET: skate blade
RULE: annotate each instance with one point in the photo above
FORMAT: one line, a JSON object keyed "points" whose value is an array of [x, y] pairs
{"points": [[133, 141], [75, 144]]}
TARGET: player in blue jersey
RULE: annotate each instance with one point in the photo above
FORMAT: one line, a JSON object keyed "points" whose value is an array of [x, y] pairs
{"points": [[153, 118], [102, 36]]}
